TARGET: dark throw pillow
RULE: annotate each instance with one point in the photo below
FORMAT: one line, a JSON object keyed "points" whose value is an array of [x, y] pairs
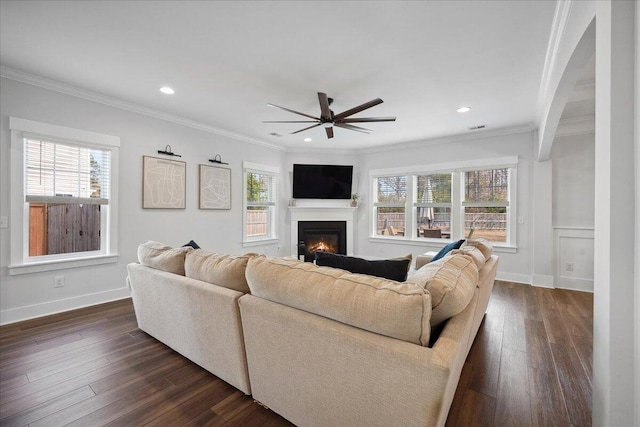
{"points": [[392, 269], [193, 244], [451, 246]]}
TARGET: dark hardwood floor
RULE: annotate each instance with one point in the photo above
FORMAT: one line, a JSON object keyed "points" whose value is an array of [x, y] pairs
{"points": [[529, 365]]}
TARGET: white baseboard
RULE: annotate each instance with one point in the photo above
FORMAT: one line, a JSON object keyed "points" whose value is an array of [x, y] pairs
{"points": [[52, 307], [575, 284], [542, 281], [513, 277]]}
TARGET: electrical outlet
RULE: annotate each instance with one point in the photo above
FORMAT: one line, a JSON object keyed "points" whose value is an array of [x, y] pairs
{"points": [[568, 266], [520, 220], [58, 281], [4, 222]]}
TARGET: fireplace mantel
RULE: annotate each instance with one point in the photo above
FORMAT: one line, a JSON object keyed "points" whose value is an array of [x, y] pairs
{"points": [[320, 213]]}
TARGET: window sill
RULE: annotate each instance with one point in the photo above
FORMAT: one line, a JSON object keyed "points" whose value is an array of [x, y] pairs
{"points": [[402, 241], [505, 249], [260, 242], [60, 264], [439, 243]]}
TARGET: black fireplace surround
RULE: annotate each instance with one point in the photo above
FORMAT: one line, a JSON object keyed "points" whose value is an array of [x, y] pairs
{"points": [[321, 236]]}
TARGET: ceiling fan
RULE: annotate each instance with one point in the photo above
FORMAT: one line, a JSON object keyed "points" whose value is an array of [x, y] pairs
{"points": [[329, 120]]}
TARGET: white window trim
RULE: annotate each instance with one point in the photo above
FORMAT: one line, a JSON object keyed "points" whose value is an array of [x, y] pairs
{"points": [[510, 162], [273, 236], [21, 263]]}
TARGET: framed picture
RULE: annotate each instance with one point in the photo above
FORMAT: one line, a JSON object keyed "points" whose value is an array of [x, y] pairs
{"points": [[164, 184], [214, 187]]}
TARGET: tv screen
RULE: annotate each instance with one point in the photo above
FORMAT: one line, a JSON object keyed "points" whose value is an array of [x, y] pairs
{"points": [[322, 181]]}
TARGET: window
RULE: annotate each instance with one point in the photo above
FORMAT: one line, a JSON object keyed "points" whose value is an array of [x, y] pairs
{"points": [[259, 202], [447, 202], [66, 187], [63, 198], [390, 205], [486, 203], [432, 204]]}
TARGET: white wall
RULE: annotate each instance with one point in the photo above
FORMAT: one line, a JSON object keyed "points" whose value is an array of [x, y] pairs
{"points": [[573, 180], [513, 266], [573, 160], [33, 295]]}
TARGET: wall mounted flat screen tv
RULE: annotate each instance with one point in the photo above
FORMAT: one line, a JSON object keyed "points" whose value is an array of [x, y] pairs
{"points": [[322, 181]]}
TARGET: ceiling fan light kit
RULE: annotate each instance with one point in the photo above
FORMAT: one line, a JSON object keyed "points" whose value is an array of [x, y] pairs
{"points": [[328, 119]]}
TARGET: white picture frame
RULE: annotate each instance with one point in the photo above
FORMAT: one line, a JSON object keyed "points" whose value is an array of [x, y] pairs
{"points": [[164, 184], [214, 188]]}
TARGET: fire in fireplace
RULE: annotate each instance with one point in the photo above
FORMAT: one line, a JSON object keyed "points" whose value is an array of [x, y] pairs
{"points": [[321, 236]]}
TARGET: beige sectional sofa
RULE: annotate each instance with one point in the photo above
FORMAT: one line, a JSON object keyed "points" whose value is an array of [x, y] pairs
{"points": [[321, 346]]}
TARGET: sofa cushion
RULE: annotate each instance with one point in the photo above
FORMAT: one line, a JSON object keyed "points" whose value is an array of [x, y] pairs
{"points": [[220, 269], [397, 310], [473, 252], [162, 257], [392, 269], [451, 281], [451, 246], [483, 245]]}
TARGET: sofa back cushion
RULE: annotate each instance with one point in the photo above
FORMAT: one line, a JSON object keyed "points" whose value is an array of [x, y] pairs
{"points": [[451, 281], [483, 246], [392, 269], [397, 310], [162, 257], [472, 251], [220, 269]]}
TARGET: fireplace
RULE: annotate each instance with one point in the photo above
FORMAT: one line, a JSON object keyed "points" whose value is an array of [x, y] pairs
{"points": [[324, 211], [324, 236]]}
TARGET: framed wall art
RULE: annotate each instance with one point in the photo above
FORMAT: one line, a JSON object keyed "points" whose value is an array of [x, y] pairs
{"points": [[163, 183], [214, 187]]}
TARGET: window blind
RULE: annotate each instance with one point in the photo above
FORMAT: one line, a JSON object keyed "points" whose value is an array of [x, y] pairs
{"points": [[433, 190], [261, 189], [64, 173]]}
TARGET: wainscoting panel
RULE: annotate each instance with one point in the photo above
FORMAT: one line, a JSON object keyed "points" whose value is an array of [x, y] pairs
{"points": [[574, 258]]}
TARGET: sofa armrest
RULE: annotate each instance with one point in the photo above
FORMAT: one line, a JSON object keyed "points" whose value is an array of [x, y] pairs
{"points": [[424, 259]]}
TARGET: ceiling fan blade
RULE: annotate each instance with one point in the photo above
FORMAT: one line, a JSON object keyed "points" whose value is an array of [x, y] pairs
{"points": [[367, 119], [324, 105], [293, 111], [329, 132], [351, 127], [290, 121], [302, 130], [359, 108]]}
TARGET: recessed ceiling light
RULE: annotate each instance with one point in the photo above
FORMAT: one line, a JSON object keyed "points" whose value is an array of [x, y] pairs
{"points": [[307, 140], [167, 90], [463, 109]]}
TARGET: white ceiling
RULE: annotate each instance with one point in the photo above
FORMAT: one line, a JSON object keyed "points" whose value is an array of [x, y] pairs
{"points": [[227, 60]]}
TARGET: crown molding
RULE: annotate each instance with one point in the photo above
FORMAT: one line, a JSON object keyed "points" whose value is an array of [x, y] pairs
{"points": [[34, 80], [480, 134]]}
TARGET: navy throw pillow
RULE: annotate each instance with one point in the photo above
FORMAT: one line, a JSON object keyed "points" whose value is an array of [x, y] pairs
{"points": [[451, 246], [392, 269], [193, 244]]}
